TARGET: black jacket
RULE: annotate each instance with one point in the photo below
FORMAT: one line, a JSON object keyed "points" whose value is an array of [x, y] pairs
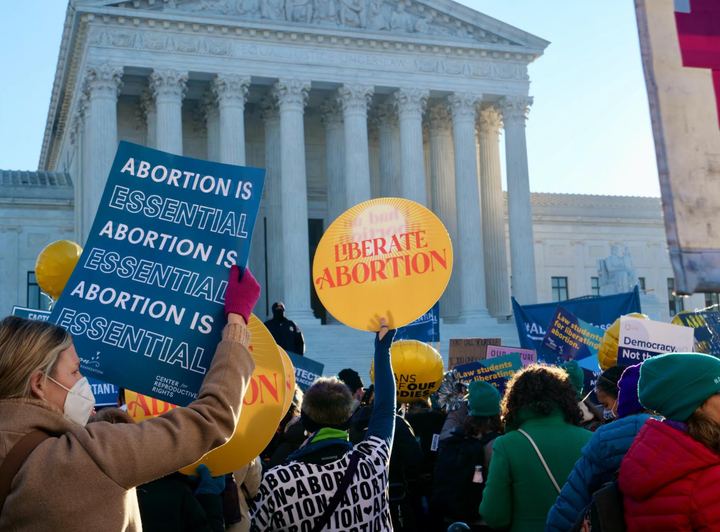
{"points": [[287, 335], [167, 504]]}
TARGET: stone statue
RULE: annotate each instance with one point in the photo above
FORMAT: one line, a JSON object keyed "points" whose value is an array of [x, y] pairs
{"points": [[616, 273], [273, 9], [423, 24], [401, 20], [248, 8], [299, 10], [325, 11], [376, 19], [353, 13]]}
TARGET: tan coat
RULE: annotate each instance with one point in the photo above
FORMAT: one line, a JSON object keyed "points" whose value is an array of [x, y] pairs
{"points": [[85, 480], [248, 480]]}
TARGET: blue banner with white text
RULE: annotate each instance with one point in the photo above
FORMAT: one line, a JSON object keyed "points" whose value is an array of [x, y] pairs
{"points": [[532, 321], [145, 302], [424, 329]]}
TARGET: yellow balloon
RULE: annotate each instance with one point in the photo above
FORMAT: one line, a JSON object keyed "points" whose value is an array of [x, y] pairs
{"points": [[608, 350], [289, 381], [677, 321], [261, 411], [385, 257], [418, 370], [54, 266]]}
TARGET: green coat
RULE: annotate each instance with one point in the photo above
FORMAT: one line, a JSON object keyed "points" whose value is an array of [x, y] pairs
{"points": [[518, 493]]}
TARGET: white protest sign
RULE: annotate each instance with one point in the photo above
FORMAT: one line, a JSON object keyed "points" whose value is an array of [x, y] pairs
{"points": [[643, 339]]}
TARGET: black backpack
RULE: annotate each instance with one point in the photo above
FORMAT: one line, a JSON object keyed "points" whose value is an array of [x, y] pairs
{"points": [[604, 513], [453, 488]]}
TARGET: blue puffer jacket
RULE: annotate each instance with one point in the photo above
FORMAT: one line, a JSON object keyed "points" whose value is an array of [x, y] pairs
{"points": [[600, 460]]}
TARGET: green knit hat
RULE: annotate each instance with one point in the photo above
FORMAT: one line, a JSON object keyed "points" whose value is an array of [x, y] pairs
{"points": [[675, 385], [576, 375], [483, 399]]}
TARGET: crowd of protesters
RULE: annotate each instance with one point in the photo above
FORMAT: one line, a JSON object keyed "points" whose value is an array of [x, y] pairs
{"points": [[346, 457]]}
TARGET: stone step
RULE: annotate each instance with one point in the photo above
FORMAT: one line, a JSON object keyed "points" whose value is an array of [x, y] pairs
{"points": [[338, 346]]}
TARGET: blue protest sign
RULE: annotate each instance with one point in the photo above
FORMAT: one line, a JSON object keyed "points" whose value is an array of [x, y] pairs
{"points": [[105, 394], [306, 370], [145, 302], [424, 329], [31, 313], [532, 321], [570, 338], [496, 371], [707, 330]]}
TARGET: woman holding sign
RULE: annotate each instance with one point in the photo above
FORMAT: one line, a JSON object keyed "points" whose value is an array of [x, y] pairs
{"points": [[534, 458], [69, 476]]}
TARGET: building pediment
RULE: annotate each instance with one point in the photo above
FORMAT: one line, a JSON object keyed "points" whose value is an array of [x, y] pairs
{"points": [[427, 20]]}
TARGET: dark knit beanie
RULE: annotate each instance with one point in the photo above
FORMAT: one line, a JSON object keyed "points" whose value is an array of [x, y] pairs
{"points": [[352, 379], [627, 400]]}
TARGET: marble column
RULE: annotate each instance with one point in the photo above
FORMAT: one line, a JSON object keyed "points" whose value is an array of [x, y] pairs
{"points": [[442, 180], [169, 88], [149, 111], [410, 104], [389, 139], [273, 200], [497, 282], [292, 95], [354, 99], [469, 262], [77, 139], [332, 117], [102, 85], [231, 91], [522, 255], [210, 111]]}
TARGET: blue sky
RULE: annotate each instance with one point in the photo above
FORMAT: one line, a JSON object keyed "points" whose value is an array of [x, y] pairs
{"points": [[588, 132]]}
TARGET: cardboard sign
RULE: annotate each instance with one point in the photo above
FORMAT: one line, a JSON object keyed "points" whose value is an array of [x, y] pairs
{"points": [[424, 329], [497, 371], [643, 339], [528, 356], [105, 394], [30, 313], [707, 330], [145, 302], [386, 257], [570, 338], [306, 370], [467, 350]]}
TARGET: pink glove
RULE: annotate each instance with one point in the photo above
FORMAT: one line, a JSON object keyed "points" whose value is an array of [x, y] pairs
{"points": [[241, 294]]}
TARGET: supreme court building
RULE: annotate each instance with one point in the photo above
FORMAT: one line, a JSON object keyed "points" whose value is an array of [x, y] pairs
{"points": [[341, 101]]}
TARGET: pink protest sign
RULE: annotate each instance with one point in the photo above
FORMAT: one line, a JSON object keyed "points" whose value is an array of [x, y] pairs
{"points": [[528, 356]]}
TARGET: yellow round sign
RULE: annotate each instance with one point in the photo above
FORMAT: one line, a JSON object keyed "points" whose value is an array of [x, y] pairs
{"points": [[608, 350], [289, 381], [418, 370], [261, 411], [387, 257], [54, 266]]}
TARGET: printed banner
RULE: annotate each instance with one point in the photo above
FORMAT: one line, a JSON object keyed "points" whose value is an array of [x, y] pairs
{"points": [[707, 330], [528, 356], [385, 257], [497, 371], [31, 313], [467, 350], [570, 338], [424, 329], [306, 370], [145, 302], [680, 47], [533, 320], [643, 339], [105, 394]]}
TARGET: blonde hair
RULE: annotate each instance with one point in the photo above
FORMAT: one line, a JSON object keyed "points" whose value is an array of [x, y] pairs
{"points": [[25, 347]]}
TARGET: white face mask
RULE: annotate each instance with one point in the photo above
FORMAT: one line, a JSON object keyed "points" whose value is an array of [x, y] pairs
{"points": [[79, 402]]}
